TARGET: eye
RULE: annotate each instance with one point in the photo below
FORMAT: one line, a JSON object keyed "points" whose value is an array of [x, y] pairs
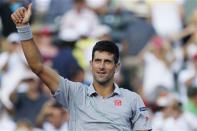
{"points": [[97, 61], [108, 62]]}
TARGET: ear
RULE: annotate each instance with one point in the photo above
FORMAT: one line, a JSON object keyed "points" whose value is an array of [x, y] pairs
{"points": [[117, 67], [91, 65]]}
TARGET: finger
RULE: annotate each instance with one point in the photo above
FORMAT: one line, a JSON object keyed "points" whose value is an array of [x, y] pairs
{"points": [[15, 18], [21, 11], [18, 16]]}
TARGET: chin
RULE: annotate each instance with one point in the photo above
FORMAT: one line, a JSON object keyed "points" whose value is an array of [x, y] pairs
{"points": [[102, 82]]}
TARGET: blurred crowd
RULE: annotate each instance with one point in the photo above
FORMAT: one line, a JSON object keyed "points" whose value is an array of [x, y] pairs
{"points": [[158, 44]]}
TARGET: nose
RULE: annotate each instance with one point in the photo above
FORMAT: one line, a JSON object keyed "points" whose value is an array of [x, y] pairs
{"points": [[102, 65]]}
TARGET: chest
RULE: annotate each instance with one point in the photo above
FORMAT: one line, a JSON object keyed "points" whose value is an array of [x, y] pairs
{"points": [[98, 109]]}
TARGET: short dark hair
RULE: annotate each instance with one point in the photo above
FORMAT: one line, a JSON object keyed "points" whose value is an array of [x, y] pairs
{"points": [[108, 46]]}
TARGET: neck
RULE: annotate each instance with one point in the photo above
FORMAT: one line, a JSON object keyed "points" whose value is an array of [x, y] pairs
{"points": [[104, 89]]}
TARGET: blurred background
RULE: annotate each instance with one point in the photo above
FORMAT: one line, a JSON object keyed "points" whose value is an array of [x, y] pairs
{"points": [[158, 44]]}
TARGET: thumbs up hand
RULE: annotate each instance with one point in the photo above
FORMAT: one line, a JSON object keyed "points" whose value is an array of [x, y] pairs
{"points": [[22, 15]]}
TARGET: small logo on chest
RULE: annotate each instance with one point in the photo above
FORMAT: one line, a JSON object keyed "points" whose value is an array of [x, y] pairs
{"points": [[117, 103]]}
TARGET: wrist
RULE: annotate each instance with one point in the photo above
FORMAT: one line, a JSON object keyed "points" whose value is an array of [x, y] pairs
{"points": [[24, 32], [24, 24]]}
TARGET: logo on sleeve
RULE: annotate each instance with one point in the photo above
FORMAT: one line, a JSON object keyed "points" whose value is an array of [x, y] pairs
{"points": [[117, 103], [143, 108]]}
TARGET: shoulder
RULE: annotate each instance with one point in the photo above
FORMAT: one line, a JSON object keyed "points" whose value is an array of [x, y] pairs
{"points": [[72, 86], [67, 81], [133, 99], [129, 94]]}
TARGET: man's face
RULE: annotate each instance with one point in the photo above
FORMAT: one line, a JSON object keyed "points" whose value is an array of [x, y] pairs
{"points": [[103, 67]]}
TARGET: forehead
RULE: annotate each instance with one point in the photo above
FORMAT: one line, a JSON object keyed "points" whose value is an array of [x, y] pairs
{"points": [[103, 55]]}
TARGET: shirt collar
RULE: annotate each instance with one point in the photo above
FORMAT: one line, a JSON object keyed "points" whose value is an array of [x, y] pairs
{"points": [[92, 91]]}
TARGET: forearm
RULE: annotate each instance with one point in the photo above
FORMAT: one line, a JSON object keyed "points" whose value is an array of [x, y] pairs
{"points": [[21, 19], [34, 59], [32, 55]]}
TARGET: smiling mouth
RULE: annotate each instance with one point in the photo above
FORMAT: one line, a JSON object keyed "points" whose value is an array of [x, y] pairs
{"points": [[101, 73]]}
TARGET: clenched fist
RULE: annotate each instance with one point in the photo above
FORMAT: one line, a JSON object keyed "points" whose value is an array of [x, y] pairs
{"points": [[22, 15]]}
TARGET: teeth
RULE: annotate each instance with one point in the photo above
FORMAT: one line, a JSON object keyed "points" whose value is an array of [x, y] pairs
{"points": [[101, 72]]}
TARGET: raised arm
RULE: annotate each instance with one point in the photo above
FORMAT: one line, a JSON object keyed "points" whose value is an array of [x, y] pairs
{"points": [[21, 19]]}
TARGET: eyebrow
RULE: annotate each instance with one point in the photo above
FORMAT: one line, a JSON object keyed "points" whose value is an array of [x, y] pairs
{"points": [[105, 60]]}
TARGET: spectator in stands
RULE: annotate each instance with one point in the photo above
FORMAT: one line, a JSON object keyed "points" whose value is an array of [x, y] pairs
{"points": [[179, 120], [137, 35], [6, 121], [191, 104], [188, 78], [80, 19], [56, 9], [162, 113], [52, 117], [116, 18], [64, 61], [28, 103], [157, 62], [12, 65]]}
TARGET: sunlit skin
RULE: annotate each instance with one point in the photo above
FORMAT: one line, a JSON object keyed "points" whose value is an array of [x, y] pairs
{"points": [[103, 69]]}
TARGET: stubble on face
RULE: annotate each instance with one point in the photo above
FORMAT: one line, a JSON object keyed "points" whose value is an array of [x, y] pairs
{"points": [[103, 67], [103, 81]]}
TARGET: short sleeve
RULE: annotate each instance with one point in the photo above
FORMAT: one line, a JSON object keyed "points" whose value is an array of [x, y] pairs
{"points": [[141, 119], [66, 91]]}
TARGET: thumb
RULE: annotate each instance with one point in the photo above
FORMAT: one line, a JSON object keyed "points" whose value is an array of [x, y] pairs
{"points": [[29, 9]]}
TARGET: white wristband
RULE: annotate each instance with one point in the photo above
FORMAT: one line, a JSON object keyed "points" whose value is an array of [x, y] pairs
{"points": [[24, 32]]}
